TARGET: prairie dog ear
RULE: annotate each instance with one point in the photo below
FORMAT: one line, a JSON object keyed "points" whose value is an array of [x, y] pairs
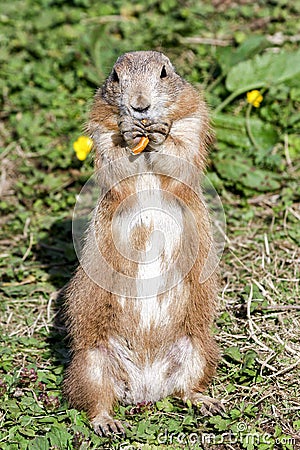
{"points": [[114, 76], [166, 70], [163, 73]]}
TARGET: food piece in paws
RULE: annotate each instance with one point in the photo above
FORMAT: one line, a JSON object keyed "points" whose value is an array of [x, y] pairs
{"points": [[140, 146]]}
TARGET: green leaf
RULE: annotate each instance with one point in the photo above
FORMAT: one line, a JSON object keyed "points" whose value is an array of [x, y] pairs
{"points": [[296, 425], [234, 353], [59, 437], [165, 405], [220, 423], [230, 388], [260, 180], [39, 443], [278, 431], [235, 413], [27, 432], [174, 425], [268, 446], [251, 411], [264, 134], [239, 170], [263, 71], [228, 57], [232, 130]]}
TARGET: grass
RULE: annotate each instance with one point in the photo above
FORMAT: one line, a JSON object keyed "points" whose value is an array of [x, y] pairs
{"points": [[53, 56]]}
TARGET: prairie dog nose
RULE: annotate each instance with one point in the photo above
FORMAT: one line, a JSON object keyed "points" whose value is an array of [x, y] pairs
{"points": [[140, 103]]}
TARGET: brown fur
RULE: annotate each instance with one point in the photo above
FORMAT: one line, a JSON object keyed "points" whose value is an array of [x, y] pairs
{"points": [[96, 318]]}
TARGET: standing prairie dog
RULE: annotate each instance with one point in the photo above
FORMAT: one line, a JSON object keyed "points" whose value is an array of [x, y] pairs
{"points": [[150, 336]]}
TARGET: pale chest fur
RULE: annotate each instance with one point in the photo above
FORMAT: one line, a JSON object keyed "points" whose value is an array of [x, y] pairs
{"points": [[150, 231]]}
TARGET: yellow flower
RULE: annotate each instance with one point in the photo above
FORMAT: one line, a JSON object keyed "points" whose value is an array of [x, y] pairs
{"points": [[255, 98], [82, 147]]}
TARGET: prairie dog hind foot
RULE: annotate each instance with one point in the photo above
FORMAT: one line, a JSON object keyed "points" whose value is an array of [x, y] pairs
{"points": [[105, 425], [209, 406]]}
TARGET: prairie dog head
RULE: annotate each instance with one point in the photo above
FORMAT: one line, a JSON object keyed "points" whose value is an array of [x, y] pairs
{"points": [[145, 88]]}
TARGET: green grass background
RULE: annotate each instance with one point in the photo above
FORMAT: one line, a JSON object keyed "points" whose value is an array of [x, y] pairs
{"points": [[53, 55]]}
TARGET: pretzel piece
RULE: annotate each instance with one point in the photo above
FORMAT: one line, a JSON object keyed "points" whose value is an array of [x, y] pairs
{"points": [[140, 146]]}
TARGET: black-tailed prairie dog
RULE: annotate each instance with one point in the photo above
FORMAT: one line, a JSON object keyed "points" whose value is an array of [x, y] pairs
{"points": [[141, 330]]}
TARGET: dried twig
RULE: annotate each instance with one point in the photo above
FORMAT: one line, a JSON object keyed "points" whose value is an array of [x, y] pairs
{"points": [[29, 247], [286, 369], [206, 41], [251, 323]]}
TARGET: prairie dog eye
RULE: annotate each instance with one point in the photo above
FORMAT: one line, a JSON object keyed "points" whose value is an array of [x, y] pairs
{"points": [[163, 73], [114, 76]]}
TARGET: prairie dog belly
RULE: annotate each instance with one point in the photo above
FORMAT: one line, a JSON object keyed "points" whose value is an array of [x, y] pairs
{"points": [[174, 369]]}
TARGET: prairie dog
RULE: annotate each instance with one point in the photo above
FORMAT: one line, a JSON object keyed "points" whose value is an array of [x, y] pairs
{"points": [[150, 336]]}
